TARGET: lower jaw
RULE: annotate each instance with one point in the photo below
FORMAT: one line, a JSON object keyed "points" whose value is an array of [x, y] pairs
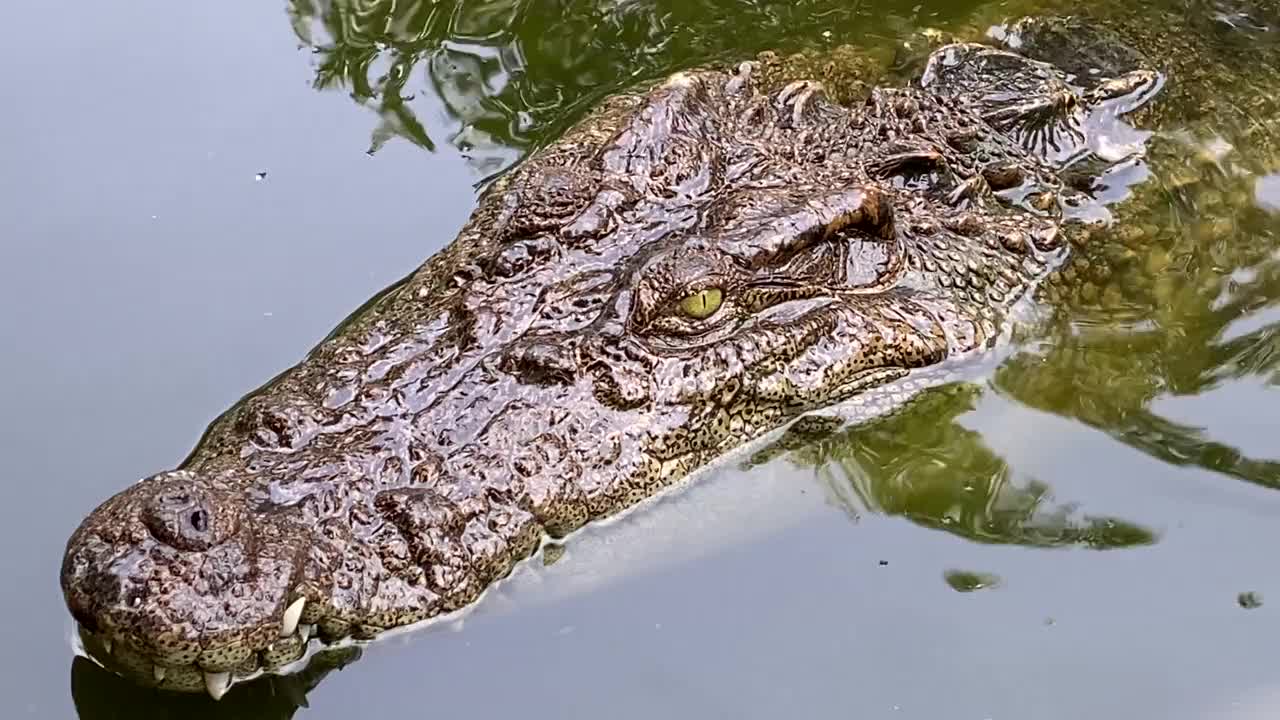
{"points": [[282, 657]]}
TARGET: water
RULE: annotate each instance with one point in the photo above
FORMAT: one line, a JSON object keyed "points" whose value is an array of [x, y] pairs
{"points": [[1103, 501]]}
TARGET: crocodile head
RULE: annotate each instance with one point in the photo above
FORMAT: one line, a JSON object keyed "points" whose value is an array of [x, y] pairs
{"points": [[687, 270]]}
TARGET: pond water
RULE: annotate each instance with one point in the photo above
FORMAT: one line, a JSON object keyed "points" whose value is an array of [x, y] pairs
{"points": [[193, 194]]}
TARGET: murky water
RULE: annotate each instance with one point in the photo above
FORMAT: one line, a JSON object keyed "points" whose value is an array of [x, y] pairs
{"points": [[192, 195]]}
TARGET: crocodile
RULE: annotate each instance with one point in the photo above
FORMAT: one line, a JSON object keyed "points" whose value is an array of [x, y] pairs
{"points": [[689, 270]]}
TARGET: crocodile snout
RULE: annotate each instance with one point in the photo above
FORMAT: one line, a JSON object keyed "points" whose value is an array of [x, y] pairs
{"points": [[177, 582]]}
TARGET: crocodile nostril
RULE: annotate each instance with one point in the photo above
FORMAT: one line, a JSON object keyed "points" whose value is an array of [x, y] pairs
{"points": [[182, 514], [199, 521]]}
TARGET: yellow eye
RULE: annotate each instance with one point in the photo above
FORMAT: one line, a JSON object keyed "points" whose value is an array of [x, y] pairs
{"points": [[702, 304]]}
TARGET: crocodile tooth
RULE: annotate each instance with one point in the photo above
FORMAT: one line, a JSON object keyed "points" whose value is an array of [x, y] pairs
{"points": [[217, 683], [304, 632], [159, 671], [293, 613], [106, 645]]}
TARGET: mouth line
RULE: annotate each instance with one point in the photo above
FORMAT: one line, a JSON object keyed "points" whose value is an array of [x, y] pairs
{"points": [[858, 383], [214, 669], [119, 656]]}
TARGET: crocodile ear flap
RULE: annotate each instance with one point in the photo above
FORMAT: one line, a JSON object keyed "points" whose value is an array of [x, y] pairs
{"points": [[1025, 99]]}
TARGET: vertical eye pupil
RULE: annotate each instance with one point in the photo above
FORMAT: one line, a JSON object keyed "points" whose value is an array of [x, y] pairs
{"points": [[702, 304]]}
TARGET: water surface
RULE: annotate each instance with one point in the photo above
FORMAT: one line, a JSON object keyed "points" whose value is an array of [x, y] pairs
{"points": [[192, 196]]}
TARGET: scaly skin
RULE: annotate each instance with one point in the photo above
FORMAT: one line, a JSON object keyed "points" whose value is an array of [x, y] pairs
{"points": [[691, 267]]}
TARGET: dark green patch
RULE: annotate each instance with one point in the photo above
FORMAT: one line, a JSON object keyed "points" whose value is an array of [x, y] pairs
{"points": [[968, 581]]}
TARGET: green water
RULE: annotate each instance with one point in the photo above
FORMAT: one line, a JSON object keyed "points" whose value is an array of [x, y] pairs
{"points": [[193, 195]]}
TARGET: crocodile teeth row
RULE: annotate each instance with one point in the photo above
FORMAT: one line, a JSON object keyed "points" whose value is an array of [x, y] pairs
{"points": [[292, 614], [218, 683]]}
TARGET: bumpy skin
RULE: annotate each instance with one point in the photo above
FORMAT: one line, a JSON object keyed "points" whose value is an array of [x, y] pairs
{"points": [[689, 268]]}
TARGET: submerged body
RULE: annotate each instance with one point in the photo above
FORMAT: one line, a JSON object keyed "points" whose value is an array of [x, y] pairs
{"points": [[689, 269]]}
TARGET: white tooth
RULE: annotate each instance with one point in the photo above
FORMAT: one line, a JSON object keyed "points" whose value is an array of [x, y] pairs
{"points": [[293, 613], [217, 684], [159, 670], [304, 632], [106, 645]]}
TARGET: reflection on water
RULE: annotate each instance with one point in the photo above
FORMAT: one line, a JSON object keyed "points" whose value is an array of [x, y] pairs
{"points": [[1173, 303], [922, 464], [100, 694], [513, 73]]}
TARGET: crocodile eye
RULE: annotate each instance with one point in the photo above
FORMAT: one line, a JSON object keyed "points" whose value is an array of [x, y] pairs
{"points": [[702, 304]]}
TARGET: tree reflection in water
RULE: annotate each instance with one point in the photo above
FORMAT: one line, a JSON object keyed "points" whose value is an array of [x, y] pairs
{"points": [[511, 74], [920, 463]]}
